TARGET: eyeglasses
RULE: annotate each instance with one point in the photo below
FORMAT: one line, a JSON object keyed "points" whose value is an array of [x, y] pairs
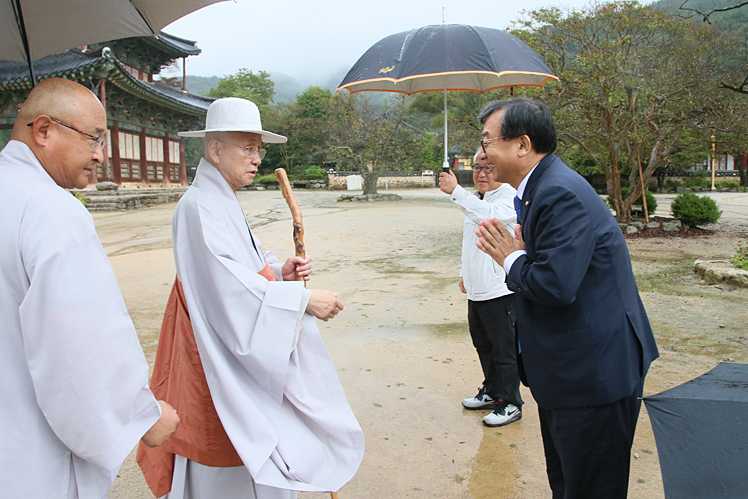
{"points": [[478, 169], [483, 141], [250, 150], [97, 141]]}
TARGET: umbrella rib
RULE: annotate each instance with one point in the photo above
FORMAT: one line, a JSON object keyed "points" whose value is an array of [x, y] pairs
{"points": [[153, 32], [24, 38]]}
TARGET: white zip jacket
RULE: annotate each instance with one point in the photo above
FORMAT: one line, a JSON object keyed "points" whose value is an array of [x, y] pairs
{"points": [[482, 277]]}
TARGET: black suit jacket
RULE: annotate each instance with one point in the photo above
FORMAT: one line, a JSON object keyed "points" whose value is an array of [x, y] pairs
{"points": [[584, 333]]}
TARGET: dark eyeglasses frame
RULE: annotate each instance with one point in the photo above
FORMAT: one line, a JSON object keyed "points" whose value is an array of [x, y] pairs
{"points": [[483, 141], [487, 169], [97, 141]]}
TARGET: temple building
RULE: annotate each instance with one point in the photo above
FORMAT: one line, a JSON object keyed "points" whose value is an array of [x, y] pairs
{"points": [[144, 115]]}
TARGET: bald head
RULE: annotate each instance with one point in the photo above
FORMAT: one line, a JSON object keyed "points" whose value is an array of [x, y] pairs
{"points": [[58, 98], [66, 154]]}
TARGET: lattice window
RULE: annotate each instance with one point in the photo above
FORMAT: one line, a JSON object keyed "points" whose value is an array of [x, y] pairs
{"points": [[174, 173], [129, 146], [173, 152], [154, 149]]}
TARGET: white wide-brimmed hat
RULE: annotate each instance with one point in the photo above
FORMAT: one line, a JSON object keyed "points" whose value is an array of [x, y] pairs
{"points": [[232, 114]]}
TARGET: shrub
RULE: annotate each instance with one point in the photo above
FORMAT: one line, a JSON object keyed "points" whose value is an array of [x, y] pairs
{"points": [[694, 210], [740, 258], [728, 184], [79, 196], [651, 200], [699, 180], [672, 184], [315, 173], [266, 179]]}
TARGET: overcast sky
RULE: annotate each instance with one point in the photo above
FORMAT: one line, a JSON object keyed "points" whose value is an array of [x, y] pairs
{"points": [[311, 40]]}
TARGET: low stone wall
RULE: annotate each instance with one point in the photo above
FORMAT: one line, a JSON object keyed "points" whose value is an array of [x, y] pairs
{"points": [[340, 182], [721, 271], [295, 184], [129, 199], [634, 227], [370, 198]]}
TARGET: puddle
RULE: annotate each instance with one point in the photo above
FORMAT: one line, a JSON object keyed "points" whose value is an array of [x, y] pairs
{"points": [[424, 332], [495, 471]]}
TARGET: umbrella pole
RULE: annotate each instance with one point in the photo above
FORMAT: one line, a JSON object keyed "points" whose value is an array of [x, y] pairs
{"points": [[25, 39], [445, 166]]}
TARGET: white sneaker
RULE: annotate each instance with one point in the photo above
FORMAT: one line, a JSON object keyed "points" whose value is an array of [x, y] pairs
{"points": [[480, 401], [503, 414]]}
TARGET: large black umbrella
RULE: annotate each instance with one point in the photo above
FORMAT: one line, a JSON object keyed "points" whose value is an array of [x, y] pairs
{"points": [[32, 29], [701, 430], [447, 57]]}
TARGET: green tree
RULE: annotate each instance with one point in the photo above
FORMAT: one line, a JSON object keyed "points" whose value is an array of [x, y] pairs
{"points": [[370, 140], [463, 128], [632, 82], [245, 84], [305, 122]]}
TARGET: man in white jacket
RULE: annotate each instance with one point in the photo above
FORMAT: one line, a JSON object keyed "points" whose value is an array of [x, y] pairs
{"points": [[490, 303]]}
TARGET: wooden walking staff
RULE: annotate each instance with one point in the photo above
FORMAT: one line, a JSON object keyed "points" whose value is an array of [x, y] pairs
{"points": [[298, 229]]}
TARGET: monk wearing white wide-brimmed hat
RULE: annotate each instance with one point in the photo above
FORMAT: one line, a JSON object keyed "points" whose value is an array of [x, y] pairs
{"points": [[240, 356]]}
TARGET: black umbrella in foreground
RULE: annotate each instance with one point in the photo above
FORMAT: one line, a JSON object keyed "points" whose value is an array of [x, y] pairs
{"points": [[701, 430], [447, 57], [32, 29]]}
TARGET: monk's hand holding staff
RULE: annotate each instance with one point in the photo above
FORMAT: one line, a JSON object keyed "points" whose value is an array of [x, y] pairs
{"points": [[496, 241], [297, 268]]}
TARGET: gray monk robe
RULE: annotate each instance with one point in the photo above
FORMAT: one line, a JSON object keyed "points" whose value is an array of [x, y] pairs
{"points": [[271, 379]]}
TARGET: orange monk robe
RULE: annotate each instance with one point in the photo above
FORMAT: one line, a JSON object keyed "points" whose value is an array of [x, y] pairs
{"points": [[179, 379]]}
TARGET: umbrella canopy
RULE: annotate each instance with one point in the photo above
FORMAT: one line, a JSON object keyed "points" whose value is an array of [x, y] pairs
{"points": [[701, 430], [32, 29], [447, 57]]}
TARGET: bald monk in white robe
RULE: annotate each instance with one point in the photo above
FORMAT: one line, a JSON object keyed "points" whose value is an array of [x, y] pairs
{"points": [[263, 412], [74, 396]]}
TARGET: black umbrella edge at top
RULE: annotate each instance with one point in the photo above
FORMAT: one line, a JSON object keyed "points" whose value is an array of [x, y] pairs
{"points": [[386, 57]]}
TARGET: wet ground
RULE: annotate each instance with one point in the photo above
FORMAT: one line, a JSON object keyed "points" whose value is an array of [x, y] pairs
{"points": [[402, 347]]}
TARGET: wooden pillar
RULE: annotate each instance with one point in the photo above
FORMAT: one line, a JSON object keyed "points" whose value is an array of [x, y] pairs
{"points": [[167, 162], [184, 74], [182, 164], [143, 159], [116, 160], [102, 98]]}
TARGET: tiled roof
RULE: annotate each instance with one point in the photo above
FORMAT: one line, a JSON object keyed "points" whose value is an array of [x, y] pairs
{"points": [[15, 74], [155, 92], [182, 46], [75, 64]]}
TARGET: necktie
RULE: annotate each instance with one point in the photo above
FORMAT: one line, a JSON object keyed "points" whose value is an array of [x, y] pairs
{"points": [[518, 207]]}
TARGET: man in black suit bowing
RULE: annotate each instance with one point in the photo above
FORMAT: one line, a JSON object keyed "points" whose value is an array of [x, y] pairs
{"points": [[583, 333]]}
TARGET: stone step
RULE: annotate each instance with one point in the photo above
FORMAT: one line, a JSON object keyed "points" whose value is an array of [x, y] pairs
{"points": [[102, 207]]}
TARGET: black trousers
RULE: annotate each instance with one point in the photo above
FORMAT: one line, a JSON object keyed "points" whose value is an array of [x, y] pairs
{"points": [[493, 329], [588, 450]]}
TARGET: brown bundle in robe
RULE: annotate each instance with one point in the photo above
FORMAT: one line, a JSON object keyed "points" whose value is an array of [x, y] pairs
{"points": [[178, 378]]}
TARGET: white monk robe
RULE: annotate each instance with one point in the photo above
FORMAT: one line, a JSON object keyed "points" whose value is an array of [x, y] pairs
{"points": [[273, 384], [74, 396]]}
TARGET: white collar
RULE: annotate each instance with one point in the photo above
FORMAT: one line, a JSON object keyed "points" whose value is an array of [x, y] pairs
{"points": [[523, 184]]}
